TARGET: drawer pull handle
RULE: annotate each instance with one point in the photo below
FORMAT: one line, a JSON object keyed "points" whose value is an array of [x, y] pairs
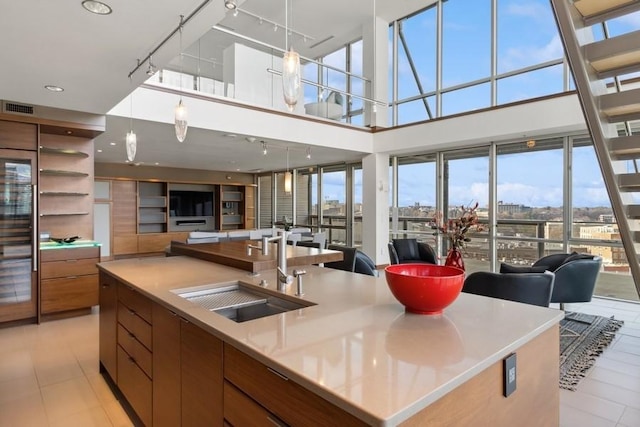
{"points": [[133, 337], [275, 422], [72, 277], [104, 285], [132, 360], [273, 371], [72, 260], [131, 312]]}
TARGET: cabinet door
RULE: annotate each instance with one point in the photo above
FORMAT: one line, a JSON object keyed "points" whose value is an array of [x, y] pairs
{"points": [[108, 324], [201, 369], [166, 367]]}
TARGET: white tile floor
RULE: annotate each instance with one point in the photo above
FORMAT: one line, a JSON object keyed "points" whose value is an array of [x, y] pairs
{"points": [[49, 376]]}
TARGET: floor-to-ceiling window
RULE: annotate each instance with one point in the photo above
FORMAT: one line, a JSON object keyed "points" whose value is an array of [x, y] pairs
{"points": [[481, 53]]}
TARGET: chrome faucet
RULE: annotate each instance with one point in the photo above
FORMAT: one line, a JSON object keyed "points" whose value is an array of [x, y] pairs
{"points": [[281, 240]]}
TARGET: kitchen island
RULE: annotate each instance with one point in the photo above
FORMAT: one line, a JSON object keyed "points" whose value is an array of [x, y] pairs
{"points": [[352, 358]]}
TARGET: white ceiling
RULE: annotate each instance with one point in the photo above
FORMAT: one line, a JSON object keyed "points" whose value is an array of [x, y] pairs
{"points": [[59, 43]]}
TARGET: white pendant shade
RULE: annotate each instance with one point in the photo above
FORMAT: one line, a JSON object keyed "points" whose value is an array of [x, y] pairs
{"points": [[291, 78], [181, 121], [287, 182], [131, 144]]}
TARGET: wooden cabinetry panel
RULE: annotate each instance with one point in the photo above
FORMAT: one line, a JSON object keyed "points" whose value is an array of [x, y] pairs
{"points": [[21, 136], [71, 267], [201, 371], [135, 324], [135, 386], [249, 207], [124, 208], [68, 293], [167, 401], [279, 395], [153, 242], [70, 253], [139, 353], [135, 301], [108, 323], [125, 245], [241, 410]]}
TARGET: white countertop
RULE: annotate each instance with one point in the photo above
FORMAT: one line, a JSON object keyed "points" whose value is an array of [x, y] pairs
{"points": [[357, 348]]}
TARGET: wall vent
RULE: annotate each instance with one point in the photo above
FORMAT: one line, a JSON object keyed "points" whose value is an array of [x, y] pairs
{"points": [[15, 108]]}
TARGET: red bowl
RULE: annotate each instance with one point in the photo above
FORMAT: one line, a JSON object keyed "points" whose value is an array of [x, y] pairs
{"points": [[424, 288]]}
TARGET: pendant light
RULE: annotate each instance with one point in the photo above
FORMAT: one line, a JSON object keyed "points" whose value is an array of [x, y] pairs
{"points": [[287, 176], [291, 77], [131, 142], [181, 109]]}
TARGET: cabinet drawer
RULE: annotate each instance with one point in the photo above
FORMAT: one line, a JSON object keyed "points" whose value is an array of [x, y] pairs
{"points": [[68, 293], [135, 386], [70, 253], [277, 393], [135, 350], [135, 324], [70, 267], [135, 301], [241, 410]]}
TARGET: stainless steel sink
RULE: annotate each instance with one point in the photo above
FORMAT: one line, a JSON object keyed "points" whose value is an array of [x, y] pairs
{"points": [[241, 302]]}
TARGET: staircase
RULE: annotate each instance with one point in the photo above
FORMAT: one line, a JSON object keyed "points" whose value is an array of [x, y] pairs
{"points": [[609, 110]]}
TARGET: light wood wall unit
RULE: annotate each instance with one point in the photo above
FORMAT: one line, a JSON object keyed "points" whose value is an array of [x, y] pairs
{"points": [[230, 207], [125, 238], [20, 136], [152, 207], [249, 207], [66, 185]]}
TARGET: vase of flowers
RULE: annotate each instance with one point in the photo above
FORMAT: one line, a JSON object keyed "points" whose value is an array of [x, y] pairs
{"points": [[456, 229]]}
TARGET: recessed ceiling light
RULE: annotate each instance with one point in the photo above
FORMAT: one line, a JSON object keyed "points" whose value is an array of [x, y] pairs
{"points": [[54, 88], [96, 7], [113, 143], [230, 135], [156, 163], [99, 151]]}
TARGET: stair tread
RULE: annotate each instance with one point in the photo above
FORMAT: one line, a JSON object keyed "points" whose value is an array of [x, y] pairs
{"points": [[620, 103], [589, 8], [625, 145], [617, 53]]}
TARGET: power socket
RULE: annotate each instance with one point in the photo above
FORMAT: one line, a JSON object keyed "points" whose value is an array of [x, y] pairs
{"points": [[509, 374]]}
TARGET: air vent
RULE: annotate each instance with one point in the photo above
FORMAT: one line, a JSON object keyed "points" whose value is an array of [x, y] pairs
{"points": [[13, 108]]}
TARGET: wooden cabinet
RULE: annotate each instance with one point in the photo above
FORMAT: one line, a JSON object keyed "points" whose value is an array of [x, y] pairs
{"points": [[135, 343], [125, 239], [241, 410], [230, 212], [167, 400], [68, 279], [278, 395], [201, 372], [19, 136], [108, 324]]}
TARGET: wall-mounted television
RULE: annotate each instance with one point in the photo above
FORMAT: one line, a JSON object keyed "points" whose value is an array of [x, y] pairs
{"points": [[190, 203]]}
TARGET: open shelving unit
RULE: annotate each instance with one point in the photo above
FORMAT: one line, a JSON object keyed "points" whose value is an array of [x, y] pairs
{"points": [[152, 207], [230, 207]]}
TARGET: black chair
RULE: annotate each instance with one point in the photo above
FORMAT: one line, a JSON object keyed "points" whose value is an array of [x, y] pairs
{"points": [[529, 288], [348, 262], [364, 264], [403, 251], [309, 244], [576, 275]]}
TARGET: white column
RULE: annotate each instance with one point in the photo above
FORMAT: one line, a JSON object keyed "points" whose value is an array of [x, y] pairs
{"points": [[375, 67], [375, 207]]}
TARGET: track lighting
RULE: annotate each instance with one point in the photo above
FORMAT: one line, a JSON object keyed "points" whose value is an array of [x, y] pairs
{"points": [[308, 152], [231, 4], [264, 148], [151, 70]]}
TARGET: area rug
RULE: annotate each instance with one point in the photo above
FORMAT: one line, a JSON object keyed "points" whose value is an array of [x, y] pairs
{"points": [[583, 337]]}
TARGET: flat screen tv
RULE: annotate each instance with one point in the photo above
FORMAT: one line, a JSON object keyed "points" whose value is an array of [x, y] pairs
{"points": [[190, 203]]}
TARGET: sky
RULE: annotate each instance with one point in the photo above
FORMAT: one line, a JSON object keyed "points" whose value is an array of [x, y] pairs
{"points": [[527, 35]]}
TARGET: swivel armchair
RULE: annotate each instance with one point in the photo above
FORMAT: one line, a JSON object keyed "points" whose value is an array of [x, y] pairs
{"points": [[576, 275], [528, 288], [402, 251]]}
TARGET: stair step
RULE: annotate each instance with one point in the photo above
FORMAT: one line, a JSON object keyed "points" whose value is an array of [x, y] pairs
{"points": [[633, 211], [619, 105], [600, 10], [614, 56], [629, 181], [625, 147]]}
